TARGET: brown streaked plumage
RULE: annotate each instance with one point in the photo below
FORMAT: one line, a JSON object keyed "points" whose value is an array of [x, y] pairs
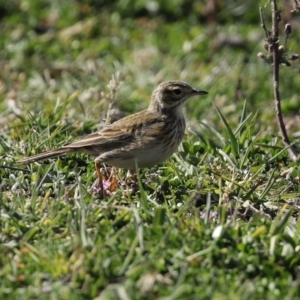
{"points": [[141, 140]]}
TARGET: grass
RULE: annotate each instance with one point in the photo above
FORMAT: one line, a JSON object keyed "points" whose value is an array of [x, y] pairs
{"points": [[218, 220]]}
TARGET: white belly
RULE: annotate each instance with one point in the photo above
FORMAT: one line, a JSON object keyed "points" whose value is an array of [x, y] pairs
{"points": [[144, 158]]}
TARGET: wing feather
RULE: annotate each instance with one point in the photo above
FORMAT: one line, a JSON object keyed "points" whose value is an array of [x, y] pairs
{"points": [[120, 133]]}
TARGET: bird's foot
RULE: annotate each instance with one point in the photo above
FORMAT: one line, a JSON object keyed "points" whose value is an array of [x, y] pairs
{"points": [[105, 184]]}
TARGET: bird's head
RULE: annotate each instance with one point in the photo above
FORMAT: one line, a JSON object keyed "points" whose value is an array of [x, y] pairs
{"points": [[171, 95]]}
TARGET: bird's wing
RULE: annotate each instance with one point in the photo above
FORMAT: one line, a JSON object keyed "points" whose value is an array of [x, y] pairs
{"points": [[119, 134], [106, 138]]}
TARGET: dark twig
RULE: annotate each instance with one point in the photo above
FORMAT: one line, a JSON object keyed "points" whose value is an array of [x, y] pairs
{"points": [[263, 24], [14, 168], [277, 55], [276, 18]]}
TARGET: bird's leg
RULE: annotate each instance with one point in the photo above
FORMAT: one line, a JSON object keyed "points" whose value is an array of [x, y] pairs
{"points": [[133, 175], [131, 181], [100, 179]]}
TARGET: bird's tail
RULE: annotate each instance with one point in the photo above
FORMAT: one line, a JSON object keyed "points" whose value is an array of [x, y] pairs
{"points": [[45, 155]]}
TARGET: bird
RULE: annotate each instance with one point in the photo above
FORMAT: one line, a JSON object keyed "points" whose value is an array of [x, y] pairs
{"points": [[140, 140]]}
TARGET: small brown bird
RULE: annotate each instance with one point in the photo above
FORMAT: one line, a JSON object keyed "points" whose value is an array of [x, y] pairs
{"points": [[141, 140]]}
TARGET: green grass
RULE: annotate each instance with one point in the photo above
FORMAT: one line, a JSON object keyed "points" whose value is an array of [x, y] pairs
{"points": [[218, 220]]}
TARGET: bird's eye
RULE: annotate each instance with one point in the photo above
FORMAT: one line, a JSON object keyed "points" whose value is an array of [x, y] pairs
{"points": [[177, 91]]}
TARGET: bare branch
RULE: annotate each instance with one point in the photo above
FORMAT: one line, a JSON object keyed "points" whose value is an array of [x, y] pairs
{"points": [[263, 24], [276, 18]]}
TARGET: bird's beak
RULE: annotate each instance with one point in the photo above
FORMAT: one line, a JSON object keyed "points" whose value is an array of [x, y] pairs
{"points": [[198, 92]]}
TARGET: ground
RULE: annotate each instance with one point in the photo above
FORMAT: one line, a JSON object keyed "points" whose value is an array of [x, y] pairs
{"points": [[218, 220]]}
